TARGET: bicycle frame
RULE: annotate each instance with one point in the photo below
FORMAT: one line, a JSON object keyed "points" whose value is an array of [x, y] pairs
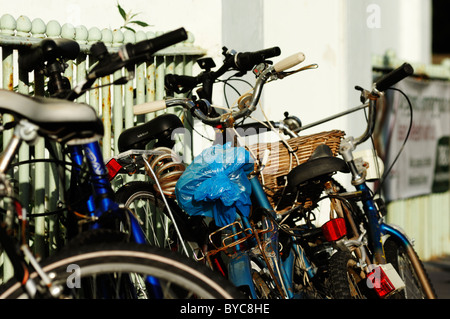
{"points": [[377, 227], [102, 200], [283, 274], [239, 268]]}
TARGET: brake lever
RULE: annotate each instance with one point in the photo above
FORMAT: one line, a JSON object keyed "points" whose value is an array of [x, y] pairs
{"points": [[364, 94]]}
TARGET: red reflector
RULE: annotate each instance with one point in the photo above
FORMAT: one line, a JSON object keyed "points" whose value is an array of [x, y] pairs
{"points": [[334, 229], [113, 168], [380, 281]]}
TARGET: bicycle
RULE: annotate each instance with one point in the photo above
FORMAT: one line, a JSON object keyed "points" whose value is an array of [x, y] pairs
{"points": [[194, 229], [142, 197], [123, 269], [397, 247], [367, 251], [245, 264], [295, 178]]}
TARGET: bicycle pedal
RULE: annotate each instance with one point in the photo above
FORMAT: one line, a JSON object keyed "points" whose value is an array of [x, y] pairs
{"points": [[385, 280]]}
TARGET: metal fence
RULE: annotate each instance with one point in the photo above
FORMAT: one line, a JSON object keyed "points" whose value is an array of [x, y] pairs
{"points": [[426, 219], [38, 188]]}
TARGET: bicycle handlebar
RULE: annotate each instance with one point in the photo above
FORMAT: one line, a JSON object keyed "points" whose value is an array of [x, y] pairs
{"points": [[48, 50], [141, 51], [245, 61], [149, 107], [289, 62], [128, 56], [379, 86], [242, 62], [131, 54], [393, 77], [192, 106]]}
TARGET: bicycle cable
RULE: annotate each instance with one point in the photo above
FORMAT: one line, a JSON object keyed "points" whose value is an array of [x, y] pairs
{"points": [[385, 174]]}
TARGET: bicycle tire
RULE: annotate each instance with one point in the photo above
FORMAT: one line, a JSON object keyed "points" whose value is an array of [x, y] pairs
{"points": [[399, 258], [180, 276], [344, 281], [157, 223]]}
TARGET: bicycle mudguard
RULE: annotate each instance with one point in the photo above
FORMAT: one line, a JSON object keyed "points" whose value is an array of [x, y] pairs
{"points": [[396, 232], [239, 272]]}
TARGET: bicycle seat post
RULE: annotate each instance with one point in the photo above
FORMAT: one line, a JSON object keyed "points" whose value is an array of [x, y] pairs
{"points": [[346, 149]]}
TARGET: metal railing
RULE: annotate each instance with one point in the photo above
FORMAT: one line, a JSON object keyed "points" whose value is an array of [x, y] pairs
{"points": [[38, 187]]}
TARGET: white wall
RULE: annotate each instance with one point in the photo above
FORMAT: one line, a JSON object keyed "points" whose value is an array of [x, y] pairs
{"points": [[338, 35]]}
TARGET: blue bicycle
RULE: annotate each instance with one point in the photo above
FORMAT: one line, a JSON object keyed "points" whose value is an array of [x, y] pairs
{"points": [[106, 261], [284, 255], [250, 244]]}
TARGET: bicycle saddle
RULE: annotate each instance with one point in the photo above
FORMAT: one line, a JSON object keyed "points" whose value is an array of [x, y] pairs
{"points": [[159, 128], [48, 50], [61, 120], [321, 162]]}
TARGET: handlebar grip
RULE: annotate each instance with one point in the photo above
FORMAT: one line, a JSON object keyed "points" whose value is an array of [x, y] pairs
{"points": [[149, 107], [245, 61], [148, 47], [289, 62], [394, 76]]}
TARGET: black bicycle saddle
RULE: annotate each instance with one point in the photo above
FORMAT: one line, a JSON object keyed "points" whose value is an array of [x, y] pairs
{"points": [[322, 162], [159, 128]]}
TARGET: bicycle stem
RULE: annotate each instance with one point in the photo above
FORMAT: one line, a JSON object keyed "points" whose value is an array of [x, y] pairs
{"points": [[371, 121], [348, 145]]}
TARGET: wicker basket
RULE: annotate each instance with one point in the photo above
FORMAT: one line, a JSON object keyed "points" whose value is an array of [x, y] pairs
{"points": [[280, 161]]}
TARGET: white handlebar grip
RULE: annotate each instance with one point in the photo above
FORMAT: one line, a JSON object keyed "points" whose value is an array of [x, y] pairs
{"points": [[289, 62], [149, 107]]}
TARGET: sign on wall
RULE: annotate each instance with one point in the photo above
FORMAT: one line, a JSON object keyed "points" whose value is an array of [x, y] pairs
{"points": [[423, 166]]}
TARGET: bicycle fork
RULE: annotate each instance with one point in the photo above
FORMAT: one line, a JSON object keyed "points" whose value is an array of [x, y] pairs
{"points": [[377, 228], [381, 229]]}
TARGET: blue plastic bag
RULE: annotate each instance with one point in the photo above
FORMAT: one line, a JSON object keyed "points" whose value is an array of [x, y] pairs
{"points": [[216, 183]]}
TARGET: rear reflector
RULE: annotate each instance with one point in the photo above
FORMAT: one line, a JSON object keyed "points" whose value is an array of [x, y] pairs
{"points": [[113, 168], [385, 280], [334, 229]]}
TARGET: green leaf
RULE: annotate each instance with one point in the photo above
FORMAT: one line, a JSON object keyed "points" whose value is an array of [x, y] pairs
{"points": [[140, 23], [133, 15], [121, 11], [128, 28]]}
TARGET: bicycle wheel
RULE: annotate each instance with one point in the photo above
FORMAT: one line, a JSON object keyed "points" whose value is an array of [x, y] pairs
{"points": [[121, 271], [156, 221], [399, 258]]}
